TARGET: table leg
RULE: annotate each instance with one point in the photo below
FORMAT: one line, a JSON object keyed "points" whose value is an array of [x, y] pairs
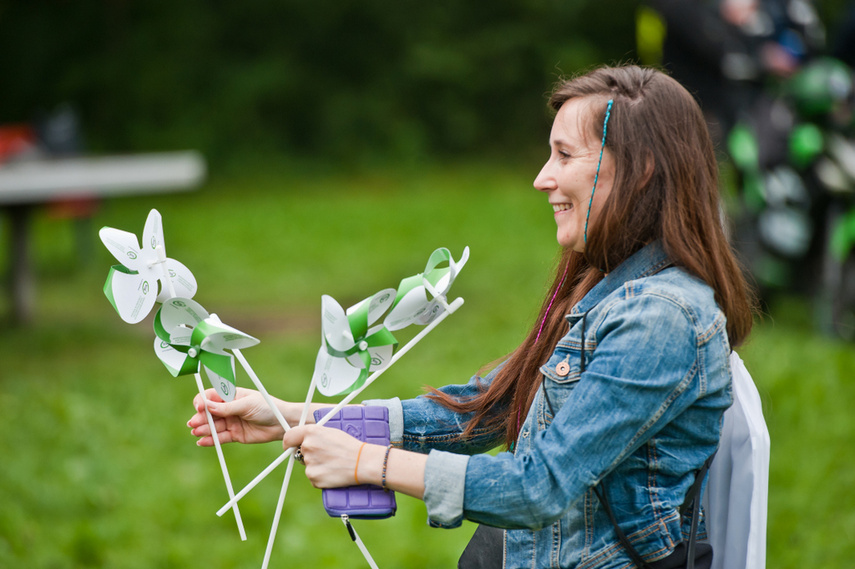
{"points": [[21, 280]]}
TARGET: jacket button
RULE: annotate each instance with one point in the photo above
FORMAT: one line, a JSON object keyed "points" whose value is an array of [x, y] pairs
{"points": [[562, 369]]}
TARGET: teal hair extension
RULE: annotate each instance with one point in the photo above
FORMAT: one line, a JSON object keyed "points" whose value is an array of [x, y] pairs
{"points": [[599, 162]]}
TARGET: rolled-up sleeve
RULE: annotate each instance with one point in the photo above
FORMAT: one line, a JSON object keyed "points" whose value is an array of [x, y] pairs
{"points": [[445, 481]]}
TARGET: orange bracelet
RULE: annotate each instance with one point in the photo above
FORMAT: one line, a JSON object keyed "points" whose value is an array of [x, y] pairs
{"points": [[356, 468]]}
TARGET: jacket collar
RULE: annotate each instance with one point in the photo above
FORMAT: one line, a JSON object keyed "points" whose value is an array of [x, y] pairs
{"points": [[647, 261]]}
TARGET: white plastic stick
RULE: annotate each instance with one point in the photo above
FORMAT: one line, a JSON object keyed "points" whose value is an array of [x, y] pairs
{"points": [[270, 467], [272, 537], [310, 394], [458, 302], [220, 456], [275, 527], [167, 280], [260, 387]]}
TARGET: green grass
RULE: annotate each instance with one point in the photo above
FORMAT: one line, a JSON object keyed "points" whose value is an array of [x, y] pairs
{"points": [[97, 468]]}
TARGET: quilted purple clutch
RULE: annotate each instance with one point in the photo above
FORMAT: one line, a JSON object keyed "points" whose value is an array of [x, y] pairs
{"points": [[365, 501]]}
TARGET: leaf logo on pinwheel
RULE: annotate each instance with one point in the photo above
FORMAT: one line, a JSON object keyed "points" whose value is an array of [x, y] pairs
{"points": [[132, 286], [188, 337]]}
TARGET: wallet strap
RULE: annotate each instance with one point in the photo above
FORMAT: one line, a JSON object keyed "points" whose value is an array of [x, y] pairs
{"points": [[355, 537]]}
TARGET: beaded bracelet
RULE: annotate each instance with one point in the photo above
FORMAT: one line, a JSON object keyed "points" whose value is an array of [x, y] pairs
{"points": [[385, 463]]}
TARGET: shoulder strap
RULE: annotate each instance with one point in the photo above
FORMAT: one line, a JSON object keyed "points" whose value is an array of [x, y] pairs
{"points": [[692, 502], [600, 490]]}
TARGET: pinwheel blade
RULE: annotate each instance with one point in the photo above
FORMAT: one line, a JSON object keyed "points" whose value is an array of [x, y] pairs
{"points": [[179, 313], [183, 281], [411, 303], [335, 376], [130, 294], [214, 336], [335, 325], [377, 305], [420, 298], [176, 361], [153, 232], [122, 245], [224, 385]]}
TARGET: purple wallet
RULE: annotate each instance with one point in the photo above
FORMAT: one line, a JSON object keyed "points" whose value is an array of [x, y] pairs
{"points": [[365, 501]]}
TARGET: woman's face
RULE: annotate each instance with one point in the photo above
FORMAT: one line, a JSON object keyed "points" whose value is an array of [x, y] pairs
{"points": [[568, 176]]}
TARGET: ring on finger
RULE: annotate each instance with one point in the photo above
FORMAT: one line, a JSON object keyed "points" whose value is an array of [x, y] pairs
{"points": [[298, 455]]}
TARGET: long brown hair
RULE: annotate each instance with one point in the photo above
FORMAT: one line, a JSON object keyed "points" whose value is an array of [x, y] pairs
{"points": [[665, 188]]}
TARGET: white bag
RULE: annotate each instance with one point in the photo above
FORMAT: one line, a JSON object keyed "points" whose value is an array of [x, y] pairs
{"points": [[738, 485]]}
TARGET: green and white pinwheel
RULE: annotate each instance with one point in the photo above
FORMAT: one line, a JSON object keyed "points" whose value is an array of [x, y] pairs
{"points": [[358, 346], [188, 338], [354, 344], [145, 275], [421, 298]]}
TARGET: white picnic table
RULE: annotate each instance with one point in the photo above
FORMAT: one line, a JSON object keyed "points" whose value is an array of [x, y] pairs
{"points": [[26, 185]]}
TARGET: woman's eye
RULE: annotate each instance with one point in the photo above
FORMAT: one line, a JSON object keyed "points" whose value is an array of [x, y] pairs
{"points": [[563, 154]]}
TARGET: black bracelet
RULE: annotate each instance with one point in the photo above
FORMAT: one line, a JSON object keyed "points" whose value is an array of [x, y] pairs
{"points": [[385, 462]]}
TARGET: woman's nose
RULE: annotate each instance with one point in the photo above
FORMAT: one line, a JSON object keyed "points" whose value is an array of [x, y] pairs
{"points": [[544, 181]]}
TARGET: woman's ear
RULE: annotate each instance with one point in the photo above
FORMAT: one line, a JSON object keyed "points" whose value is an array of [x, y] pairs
{"points": [[649, 166]]}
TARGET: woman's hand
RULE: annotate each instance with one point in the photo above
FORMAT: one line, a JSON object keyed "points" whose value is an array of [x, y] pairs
{"points": [[334, 459], [330, 456], [247, 419]]}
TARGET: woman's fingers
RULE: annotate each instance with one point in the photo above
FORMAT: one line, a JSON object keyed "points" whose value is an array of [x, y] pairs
{"points": [[294, 437], [210, 395]]}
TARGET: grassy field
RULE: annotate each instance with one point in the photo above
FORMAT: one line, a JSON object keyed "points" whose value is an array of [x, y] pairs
{"points": [[97, 468]]}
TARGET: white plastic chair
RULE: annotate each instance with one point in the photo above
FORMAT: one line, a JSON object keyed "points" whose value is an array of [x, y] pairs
{"points": [[738, 486]]}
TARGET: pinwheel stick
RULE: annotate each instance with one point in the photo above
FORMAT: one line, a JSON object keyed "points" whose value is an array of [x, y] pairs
{"points": [[451, 308], [275, 526], [258, 385], [167, 280], [220, 456]]}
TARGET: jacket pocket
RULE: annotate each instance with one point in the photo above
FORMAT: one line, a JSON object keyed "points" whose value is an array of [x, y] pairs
{"points": [[561, 373]]}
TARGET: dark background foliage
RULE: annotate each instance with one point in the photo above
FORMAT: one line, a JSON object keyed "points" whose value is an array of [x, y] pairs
{"points": [[348, 78]]}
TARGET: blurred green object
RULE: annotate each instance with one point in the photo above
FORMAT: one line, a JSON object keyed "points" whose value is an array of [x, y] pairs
{"points": [[805, 145], [742, 145], [820, 86], [843, 236]]}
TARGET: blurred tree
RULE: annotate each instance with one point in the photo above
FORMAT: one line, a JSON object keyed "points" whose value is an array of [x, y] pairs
{"points": [[344, 77]]}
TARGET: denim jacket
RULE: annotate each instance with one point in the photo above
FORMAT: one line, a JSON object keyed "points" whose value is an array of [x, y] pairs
{"points": [[639, 416]]}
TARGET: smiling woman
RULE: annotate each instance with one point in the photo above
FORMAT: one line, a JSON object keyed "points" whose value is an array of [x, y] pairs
{"points": [[616, 395], [578, 166]]}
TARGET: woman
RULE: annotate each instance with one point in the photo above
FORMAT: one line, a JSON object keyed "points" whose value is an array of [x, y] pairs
{"points": [[614, 401]]}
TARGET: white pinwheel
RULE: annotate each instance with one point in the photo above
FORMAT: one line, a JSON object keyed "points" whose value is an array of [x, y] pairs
{"points": [[422, 298], [353, 344], [189, 338], [145, 275]]}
